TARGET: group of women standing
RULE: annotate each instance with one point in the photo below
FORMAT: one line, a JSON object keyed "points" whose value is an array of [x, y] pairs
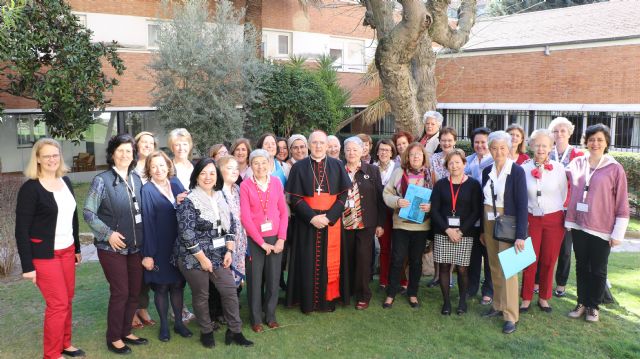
{"points": [[221, 223]]}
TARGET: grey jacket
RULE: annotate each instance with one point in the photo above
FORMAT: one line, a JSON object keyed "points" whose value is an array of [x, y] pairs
{"points": [[111, 206]]}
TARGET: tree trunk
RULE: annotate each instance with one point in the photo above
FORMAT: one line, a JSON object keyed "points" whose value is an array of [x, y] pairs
{"points": [[405, 59], [253, 16]]}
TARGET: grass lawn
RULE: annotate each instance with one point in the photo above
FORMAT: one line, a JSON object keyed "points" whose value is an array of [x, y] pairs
{"points": [[80, 190], [401, 332]]}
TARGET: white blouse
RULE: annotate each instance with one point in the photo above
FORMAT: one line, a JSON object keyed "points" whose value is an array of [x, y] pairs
{"points": [[499, 184], [552, 185], [64, 222]]}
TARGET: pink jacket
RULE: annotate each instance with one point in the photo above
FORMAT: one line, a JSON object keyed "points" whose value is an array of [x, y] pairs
{"points": [[607, 199], [252, 214]]}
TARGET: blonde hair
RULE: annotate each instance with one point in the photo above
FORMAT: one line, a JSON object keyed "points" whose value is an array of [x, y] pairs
{"points": [[167, 160], [562, 121], [180, 132], [33, 167]]}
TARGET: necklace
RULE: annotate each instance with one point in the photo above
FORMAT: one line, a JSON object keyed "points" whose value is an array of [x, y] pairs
{"points": [[324, 172]]}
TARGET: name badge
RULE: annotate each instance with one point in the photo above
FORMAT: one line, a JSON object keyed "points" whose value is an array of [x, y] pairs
{"points": [[218, 242], [266, 226], [538, 212], [582, 207], [454, 221], [138, 218], [491, 216]]}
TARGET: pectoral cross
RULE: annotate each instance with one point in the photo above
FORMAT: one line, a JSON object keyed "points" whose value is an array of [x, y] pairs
{"points": [[319, 189]]}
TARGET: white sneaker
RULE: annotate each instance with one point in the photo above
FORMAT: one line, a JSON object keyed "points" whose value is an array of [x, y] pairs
{"points": [[593, 315], [578, 311], [187, 315]]}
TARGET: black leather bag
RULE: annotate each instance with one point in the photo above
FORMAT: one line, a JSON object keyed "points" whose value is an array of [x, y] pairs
{"points": [[504, 229]]}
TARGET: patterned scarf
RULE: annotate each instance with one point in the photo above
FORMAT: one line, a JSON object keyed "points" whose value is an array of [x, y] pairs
{"points": [[404, 182], [210, 207], [352, 217]]}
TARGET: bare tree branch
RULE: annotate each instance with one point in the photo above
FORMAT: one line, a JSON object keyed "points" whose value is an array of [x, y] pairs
{"points": [[441, 32]]}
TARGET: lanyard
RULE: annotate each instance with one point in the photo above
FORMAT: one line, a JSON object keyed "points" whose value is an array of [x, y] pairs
{"points": [[588, 174], [264, 203], [352, 175], [454, 197], [132, 191], [564, 155]]}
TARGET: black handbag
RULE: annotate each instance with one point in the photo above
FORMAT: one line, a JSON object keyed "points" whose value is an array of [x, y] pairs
{"points": [[504, 229]]}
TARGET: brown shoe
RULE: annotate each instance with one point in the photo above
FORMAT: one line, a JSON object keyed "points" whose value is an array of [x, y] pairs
{"points": [[273, 325], [593, 315], [362, 305], [577, 312], [257, 328]]}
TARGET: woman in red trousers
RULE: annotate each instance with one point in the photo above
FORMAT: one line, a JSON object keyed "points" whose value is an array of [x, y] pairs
{"points": [[547, 191], [48, 244]]}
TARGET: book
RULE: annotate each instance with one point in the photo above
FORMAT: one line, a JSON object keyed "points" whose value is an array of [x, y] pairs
{"points": [[416, 195]]}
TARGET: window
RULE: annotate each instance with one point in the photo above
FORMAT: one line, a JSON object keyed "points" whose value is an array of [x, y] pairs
{"points": [[276, 44], [348, 54], [82, 19], [599, 117], [577, 120], [495, 121], [30, 128], [624, 130], [386, 125], [283, 45], [153, 29], [475, 120]]}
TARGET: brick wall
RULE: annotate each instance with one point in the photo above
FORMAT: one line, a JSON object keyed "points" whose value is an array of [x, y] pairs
{"points": [[335, 18], [591, 75]]}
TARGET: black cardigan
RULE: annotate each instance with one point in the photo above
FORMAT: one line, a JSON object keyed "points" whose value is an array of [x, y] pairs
{"points": [[467, 207], [36, 218]]}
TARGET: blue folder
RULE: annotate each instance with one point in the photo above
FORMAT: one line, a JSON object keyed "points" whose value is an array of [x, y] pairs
{"points": [[416, 195], [513, 263]]}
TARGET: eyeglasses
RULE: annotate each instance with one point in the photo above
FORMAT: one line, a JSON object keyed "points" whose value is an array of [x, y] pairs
{"points": [[297, 148], [416, 155], [48, 157], [384, 150]]}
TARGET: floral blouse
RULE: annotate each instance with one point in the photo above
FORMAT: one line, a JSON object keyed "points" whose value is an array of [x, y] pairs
{"points": [[232, 198], [437, 164], [196, 233]]}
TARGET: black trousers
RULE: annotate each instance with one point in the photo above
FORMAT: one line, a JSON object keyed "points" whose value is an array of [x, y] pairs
{"points": [[479, 255], [359, 254], [564, 260], [592, 257], [406, 244]]}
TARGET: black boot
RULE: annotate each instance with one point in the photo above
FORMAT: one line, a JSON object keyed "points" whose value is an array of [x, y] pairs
{"points": [[207, 340], [238, 338]]}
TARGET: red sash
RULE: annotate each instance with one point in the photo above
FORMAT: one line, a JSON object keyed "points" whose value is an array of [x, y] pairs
{"points": [[323, 202]]}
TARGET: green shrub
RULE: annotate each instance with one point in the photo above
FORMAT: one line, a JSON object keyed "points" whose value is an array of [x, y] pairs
{"points": [[631, 163]]}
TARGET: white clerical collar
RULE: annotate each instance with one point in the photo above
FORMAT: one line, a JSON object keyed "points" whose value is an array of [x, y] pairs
{"points": [[318, 159]]}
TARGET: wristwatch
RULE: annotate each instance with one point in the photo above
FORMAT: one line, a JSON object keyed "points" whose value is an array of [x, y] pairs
{"points": [[230, 251]]}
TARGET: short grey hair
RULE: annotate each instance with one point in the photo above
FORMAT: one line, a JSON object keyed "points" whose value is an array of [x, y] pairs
{"points": [[499, 136], [333, 138], [259, 153], [543, 132], [354, 139], [435, 114], [562, 121]]}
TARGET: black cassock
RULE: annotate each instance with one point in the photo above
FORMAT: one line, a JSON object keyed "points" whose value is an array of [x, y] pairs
{"points": [[311, 280]]}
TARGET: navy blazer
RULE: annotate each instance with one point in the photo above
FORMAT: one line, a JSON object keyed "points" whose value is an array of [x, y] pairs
{"points": [[515, 197]]}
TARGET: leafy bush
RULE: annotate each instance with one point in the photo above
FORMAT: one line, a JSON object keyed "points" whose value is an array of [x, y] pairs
{"points": [[631, 163], [298, 99]]}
